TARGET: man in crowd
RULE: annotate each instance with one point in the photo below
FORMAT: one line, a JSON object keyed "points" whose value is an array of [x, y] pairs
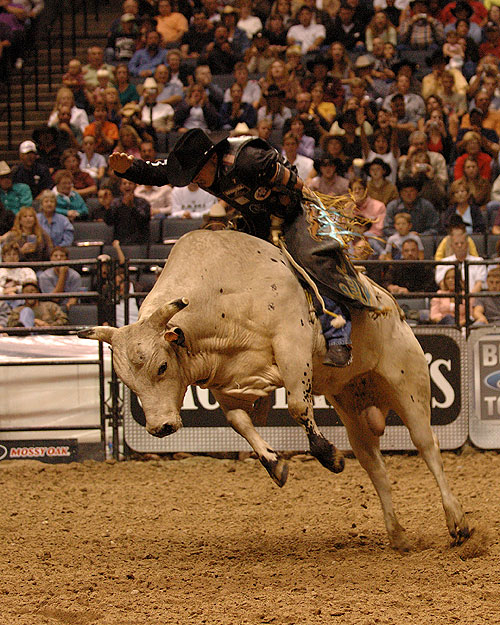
{"points": [[30, 171], [13, 195], [424, 217]]}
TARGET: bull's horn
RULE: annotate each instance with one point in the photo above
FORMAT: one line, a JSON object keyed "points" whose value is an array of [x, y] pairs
{"points": [[99, 333], [162, 316]]}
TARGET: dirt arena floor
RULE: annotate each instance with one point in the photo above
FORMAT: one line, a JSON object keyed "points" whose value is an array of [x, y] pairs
{"points": [[203, 540]]}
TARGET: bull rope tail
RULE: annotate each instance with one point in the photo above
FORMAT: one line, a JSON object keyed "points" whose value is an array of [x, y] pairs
{"points": [[338, 321]]}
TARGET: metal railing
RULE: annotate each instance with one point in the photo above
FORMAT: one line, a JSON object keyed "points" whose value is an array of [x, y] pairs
{"points": [[49, 34]]}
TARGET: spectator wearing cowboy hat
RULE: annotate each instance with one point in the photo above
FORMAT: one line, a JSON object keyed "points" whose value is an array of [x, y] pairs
{"points": [[432, 84], [317, 71], [330, 180], [375, 87], [378, 186], [424, 218], [464, 12], [472, 10], [13, 195], [274, 109], [236, 36], [30, 171]]}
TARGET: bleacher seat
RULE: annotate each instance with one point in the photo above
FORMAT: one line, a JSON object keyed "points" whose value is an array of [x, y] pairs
{"points": [[155, 231], [159, 251], [492, 245], [175, 228], [96, 231], [129, 251], [480, 240], [83, 251], [429, 243], [83, 315]]}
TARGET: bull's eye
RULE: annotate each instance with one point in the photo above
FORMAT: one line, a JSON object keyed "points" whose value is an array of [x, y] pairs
{"points": [[162, 368]]}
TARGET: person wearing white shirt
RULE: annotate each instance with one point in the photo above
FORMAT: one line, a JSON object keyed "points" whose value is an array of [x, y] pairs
{"points": [[191, 202], [459, 246], [251, 90], [304, 164], [159, 198], [306, 34], [251, 24]]}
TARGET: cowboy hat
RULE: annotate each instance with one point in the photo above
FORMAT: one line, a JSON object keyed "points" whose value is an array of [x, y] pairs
{"points": [[319, 60], [462, 6], [189, 155], [5, 170], [363, 61], [377, 161]]}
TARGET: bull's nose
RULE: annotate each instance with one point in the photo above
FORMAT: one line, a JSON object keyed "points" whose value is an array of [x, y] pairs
{"points": [[163, 430]]}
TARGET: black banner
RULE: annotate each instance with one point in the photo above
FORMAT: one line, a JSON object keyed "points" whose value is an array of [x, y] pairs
{"points": [[52, 451], [443, 357]]}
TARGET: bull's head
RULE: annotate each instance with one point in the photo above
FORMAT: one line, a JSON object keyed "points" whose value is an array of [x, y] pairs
{"points": [[145, 358]]}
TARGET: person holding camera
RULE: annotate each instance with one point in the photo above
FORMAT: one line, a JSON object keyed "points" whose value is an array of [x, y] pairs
{"points": [[418, 30]]}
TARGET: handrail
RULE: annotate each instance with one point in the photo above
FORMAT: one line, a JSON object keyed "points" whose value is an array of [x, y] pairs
{"points": [[52, 22]]}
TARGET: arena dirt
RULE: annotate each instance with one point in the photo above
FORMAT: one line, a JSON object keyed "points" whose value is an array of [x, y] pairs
{"points": [[203, 540]]}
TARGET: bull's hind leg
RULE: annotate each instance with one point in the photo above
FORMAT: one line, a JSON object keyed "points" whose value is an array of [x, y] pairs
{"points": [[415, 414], [238, 418], [365, 445], [296, 372]]}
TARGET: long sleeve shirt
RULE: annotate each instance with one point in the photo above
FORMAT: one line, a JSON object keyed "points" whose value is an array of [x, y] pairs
{"points": [[142, 60], [424, 217], [60, 229]]}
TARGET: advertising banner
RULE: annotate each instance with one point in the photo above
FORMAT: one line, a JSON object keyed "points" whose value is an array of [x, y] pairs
{"points": [[205, 428], [51, 451], [484, 418]]}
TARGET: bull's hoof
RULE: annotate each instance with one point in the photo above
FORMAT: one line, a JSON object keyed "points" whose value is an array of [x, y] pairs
{"points": [[328, 455], [277, 469], [460, 536]]}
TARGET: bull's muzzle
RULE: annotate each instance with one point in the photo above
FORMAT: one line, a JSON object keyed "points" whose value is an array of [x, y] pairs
{"points": [[162, 430]]}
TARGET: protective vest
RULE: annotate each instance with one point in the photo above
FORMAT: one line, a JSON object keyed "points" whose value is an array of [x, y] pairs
{"points": [[254, 195]]}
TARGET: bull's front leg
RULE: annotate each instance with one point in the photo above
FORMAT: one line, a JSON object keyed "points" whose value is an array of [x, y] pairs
{"points": [[297, 378], [237, 415]]}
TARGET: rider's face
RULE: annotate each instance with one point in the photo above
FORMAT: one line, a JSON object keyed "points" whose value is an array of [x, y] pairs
{"points": [[206, 176]]}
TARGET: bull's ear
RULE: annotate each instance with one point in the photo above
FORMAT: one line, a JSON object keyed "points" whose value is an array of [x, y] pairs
{"points": [[162, 315], [174, 335], [98, 333]]}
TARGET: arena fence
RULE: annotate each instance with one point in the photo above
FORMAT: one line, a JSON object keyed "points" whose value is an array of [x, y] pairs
{"points": [[464, 366]]}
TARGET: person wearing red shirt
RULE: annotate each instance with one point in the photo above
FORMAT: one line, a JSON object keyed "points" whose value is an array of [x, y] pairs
{"points": [[104, 131], [472, 143]]}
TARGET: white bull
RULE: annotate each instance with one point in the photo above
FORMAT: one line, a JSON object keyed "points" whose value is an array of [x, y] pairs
{"points": [[243, 328]]}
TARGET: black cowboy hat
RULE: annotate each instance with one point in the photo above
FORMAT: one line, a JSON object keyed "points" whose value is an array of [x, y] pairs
{"points": [[319, 60], [273, 91], [377, 161], [189, 155], [409, 181], [404, 63], [462, 6]]}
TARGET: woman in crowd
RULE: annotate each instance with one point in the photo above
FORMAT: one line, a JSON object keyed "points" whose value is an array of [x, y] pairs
{"points": [[342, 66], [128, 141], [196, 111], [65, 97], [82, 181], [334, 147], [461, 205], [473, 150], [479, 188], [442, 309], [279, 75], [112, 102], [284, 8], [367, 208], [438, 138], [68, 201], [13, 278], [380, 27], [168, 92], [306, 143], [34, 243], [91, 162], [321, 107], [235, 111], [127, 92]]}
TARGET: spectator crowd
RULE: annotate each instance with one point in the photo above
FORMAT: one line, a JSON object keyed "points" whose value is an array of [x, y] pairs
{"points": [[395, 103]]}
